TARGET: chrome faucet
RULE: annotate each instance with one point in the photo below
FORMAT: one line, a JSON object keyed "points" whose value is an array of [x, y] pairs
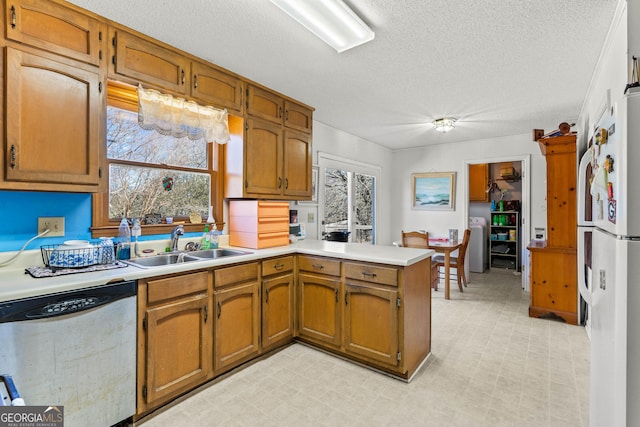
{"points": [[175, 235]]}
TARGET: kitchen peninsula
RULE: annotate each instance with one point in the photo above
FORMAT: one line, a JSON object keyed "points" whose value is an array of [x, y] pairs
{"points": [[368, 304]]}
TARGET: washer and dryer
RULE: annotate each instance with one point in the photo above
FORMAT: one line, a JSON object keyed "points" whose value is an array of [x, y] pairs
{"points": [[478, 252]]}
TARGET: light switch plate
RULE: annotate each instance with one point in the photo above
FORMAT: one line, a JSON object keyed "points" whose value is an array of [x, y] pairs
{"points": [[54, 224], [310, 217]]}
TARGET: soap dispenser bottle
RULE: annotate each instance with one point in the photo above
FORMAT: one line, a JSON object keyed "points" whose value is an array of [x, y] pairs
{"points": [[124, 240], [205, 243], [213, 241], [136, 231]]}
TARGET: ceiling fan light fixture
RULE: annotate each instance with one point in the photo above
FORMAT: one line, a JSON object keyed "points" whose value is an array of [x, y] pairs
{"points": [[330, 20], [444, 124]]}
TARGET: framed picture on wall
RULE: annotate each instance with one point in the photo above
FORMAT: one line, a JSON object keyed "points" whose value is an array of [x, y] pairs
{"points": [[434, 191], [314, 188]]}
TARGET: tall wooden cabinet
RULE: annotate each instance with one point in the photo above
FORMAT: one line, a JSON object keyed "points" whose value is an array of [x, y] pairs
{"points": [[554, 292]]}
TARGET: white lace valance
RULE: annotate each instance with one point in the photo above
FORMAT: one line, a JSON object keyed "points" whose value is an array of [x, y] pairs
{"points": [[178, 117]]}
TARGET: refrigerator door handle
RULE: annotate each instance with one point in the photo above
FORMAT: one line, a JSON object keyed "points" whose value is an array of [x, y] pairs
{"points": [[583, 269]]}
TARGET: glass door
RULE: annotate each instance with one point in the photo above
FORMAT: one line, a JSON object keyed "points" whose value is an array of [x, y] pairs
{"points": [[347, 201]]}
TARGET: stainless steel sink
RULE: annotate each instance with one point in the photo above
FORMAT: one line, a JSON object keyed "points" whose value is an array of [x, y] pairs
{"points": [[216, 253], [160, 260], [176, 258]]}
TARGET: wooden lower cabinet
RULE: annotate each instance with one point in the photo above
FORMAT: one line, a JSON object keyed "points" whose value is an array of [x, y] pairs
{"points": [[371, 322], [277, 302], [196, 326], [237, 319], [175, 337], [320, 312], [379, 315], [554, 293]]}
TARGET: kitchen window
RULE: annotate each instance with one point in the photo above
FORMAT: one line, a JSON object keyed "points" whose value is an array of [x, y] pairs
{"points": [[152, 176]]}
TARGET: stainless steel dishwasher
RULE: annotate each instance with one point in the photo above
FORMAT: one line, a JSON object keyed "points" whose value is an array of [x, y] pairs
{"points": [[76, 349]]}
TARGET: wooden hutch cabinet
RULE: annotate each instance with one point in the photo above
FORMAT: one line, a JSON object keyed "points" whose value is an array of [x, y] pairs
{"points": [[554, 291]]}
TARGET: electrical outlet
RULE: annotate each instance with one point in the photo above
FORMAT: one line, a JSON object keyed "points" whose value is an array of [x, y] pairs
{"points": [[310, 217], [54, 224]]}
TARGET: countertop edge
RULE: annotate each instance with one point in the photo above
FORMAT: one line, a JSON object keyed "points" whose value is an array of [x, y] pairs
{"points": [[17, 284]]}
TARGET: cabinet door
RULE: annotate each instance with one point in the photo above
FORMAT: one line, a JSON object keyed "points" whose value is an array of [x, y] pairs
{"points": [[215, 87], [147, 62], [478, 180], [554, 284], [56, 28], [297, 164], [264, 104], [263, 158], [178, 347], [298, 117], [52, 121], [277, 311], [561, 196], [237, 325], [319, 309], [371, 322]]}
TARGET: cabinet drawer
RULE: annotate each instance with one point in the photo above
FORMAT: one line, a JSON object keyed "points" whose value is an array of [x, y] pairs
{"points": [[273, 210], [370, 273], [177, 286], [319, 265], [235, 275], [262, 225], [278, 265]]}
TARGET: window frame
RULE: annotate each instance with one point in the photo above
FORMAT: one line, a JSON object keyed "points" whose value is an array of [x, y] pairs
{"points": [[122, 95]]}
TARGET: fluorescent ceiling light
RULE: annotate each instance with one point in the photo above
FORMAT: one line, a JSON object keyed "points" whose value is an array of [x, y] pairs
{"points": [[330, 20]]}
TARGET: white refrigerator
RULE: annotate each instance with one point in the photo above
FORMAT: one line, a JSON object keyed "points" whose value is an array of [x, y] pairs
{"points": [[615, 296]]}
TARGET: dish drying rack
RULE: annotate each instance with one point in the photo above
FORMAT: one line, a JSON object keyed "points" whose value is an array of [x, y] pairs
{"points": [[58, 257]]}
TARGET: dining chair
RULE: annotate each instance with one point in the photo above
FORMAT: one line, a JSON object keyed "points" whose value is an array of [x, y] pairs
{"points": [[457, 262], [418, 239]]}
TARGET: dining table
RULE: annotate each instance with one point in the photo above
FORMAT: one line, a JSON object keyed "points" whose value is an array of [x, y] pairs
{"points": [[445, 246]]}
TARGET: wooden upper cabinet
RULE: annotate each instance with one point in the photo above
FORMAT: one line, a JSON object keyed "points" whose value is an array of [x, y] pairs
{"points": [[273, 107], [297, 116], [52, 123], [215, 87], [57, 29], [148, 62], [478, 180], [263, 158], [264, 104], [297, 163]]}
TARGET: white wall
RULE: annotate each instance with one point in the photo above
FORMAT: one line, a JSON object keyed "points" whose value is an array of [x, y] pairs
{"points": [[394, 201], [453, 158]]}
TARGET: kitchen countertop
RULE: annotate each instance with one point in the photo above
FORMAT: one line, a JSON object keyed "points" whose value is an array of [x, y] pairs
{"points": [[16, 284]]}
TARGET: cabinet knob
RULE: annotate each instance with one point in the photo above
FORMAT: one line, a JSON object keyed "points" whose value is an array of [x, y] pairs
{"points": [[219, 309], [13, 157], [266, 295], [13, 17]]}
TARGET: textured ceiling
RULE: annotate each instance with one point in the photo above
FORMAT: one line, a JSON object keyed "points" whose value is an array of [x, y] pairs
{"points": [[502, 67]]}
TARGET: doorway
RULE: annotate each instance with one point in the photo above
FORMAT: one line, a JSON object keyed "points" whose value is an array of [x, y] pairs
{"points": [[500, 186]]}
